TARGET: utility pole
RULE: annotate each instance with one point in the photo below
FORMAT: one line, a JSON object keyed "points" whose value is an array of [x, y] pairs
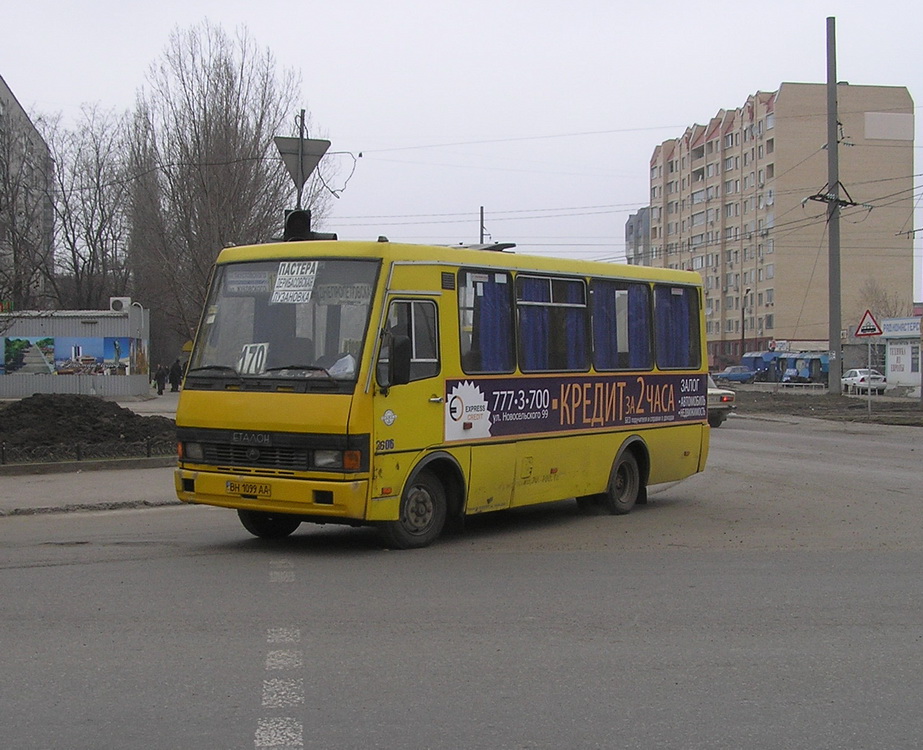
{"points": [[482, 225], [835, 366]]}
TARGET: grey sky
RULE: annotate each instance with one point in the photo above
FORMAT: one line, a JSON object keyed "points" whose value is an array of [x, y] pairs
{"points": [[549, 111]]}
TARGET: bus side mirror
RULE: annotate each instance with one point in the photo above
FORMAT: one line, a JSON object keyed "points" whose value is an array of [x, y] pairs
{"points": [[399, 360]]}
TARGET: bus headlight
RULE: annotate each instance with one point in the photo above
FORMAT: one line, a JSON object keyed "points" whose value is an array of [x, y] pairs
{"points": [[328, 459], [193, 451], [351, 460]]}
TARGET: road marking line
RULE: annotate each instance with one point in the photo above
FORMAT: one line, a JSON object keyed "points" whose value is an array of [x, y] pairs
{"points": [[283, 693], [279, 733], [281, 571], [283, 635], [285, 659]]}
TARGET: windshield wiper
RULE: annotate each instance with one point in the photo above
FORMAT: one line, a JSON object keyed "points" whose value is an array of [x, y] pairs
{"points": [[221, 368]]}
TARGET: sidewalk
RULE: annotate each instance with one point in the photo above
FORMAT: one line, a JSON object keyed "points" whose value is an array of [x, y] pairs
{"points": [[96, 485], [105, 489], [164, 406]]}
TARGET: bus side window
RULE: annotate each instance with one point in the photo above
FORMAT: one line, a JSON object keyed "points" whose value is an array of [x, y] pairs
{"points": [[485, 320], [676, 318], [417, 320], [552, 324], [621, 325]]}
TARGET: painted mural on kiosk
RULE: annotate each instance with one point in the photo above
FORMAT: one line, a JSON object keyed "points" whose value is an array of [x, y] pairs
{"points": [[67, 355]]}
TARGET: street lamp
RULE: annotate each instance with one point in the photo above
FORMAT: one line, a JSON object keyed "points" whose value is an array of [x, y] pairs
{"points": [[743, 302]]}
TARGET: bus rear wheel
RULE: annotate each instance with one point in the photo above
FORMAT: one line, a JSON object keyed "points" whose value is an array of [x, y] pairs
{"points": [[624, 488], [268, 525], [422, 515]]}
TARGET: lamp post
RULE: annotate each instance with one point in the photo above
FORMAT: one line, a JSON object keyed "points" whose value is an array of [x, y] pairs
{"points": [[743, 302]]}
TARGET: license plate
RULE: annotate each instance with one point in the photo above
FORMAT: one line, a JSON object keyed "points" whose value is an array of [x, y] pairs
{"points": [[260, 489]]}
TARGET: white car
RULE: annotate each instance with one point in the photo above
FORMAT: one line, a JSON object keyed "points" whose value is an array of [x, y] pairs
{"points": [[863, 381], [720, 403]]}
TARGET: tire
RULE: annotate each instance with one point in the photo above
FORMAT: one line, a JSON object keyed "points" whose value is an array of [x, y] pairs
{"points": [[624, 488], [268, 525], [715, 420], [422, 514]]}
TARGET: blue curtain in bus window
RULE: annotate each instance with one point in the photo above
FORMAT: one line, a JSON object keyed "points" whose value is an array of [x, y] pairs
{"points": [[575, 326], [495, 327], [533, 324], [671, 310], [639, 327], [605, 336]]}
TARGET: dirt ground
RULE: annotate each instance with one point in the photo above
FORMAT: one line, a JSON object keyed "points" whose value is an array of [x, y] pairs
{"points": [[56, 419], [885, 409], [60, 419]]}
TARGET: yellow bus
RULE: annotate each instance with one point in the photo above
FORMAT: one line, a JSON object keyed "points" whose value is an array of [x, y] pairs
{"points": [[396, 385]]}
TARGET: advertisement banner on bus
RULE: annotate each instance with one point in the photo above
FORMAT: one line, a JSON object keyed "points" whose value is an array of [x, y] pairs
{"points": [[482, 407]]}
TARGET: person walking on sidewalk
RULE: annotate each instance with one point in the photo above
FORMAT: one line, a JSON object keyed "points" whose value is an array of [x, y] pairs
{"points": [[160, 377], [176, 374]]}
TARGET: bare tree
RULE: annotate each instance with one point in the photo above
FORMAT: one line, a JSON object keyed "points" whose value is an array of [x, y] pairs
{"points": [[207, 172], [91, 210], [883, 304], [25, 215]]}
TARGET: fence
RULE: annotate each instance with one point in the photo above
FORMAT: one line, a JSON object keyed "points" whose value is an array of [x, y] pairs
{"points": [[11, 455]]}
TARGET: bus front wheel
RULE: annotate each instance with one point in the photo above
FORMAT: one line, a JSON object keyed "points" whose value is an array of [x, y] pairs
{"points": [[268, 525], [624, 488], [422, 514]]}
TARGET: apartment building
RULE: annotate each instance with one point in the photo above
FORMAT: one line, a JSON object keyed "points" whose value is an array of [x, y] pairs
{"points": [[740, 200], [26, 211]]}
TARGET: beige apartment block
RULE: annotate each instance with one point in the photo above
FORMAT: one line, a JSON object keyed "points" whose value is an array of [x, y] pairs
{"points": [[740, 200]]}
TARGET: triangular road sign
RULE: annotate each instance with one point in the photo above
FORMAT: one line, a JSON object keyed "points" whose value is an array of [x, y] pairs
{"points": [[301, 156], [868, 326]]}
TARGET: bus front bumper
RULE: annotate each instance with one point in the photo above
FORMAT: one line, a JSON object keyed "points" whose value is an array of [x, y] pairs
{"points": [[321, 499]]}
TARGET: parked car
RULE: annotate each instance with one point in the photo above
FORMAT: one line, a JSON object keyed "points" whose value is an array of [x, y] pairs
{"points": [[736, 374], [720, 403], [863, 380]]}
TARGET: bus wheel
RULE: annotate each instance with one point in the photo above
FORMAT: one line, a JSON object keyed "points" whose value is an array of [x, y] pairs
{"points": [[423, 514], [268, 525], [624, 485]]}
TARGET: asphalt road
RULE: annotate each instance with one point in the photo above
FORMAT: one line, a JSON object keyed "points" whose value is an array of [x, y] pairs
{"points": [[772, 602]]}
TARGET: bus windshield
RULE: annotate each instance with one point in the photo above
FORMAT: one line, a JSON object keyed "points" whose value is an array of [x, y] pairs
{"points": [[298, 318]]}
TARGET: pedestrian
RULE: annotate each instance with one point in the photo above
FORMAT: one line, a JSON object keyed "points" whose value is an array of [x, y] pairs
{"points": [[160, 377], [176, 374]]}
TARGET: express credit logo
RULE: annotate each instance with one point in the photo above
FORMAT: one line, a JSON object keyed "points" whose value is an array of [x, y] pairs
{"points": [[467, 412]]}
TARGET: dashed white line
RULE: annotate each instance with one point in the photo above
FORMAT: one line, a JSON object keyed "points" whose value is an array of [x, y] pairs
{"points": [[283, 635], [280, 693], [281, 571], [285, 659], [281, 733]]}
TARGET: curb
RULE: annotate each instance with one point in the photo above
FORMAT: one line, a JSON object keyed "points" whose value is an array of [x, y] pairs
{"points": [[63, 467], [84, 507]]}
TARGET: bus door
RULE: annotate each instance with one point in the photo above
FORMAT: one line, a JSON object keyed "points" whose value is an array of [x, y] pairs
{"points": [[408, 417]]}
